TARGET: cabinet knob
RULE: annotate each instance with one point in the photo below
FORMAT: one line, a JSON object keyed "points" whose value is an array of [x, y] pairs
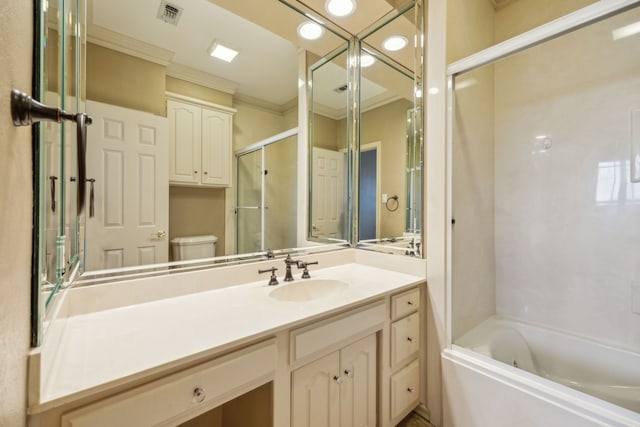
{"points": [[195, 172], [410, 302], [205, 173], [410, 339], [410, 389], [199, 394], [348, 373], [338, 379]]}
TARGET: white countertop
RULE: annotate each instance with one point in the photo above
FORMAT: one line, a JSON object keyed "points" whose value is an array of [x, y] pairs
{"points": [[101, 349]]}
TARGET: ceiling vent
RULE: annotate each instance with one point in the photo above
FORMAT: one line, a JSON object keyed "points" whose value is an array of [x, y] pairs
{"points": [[340, 89], [169, 13]]}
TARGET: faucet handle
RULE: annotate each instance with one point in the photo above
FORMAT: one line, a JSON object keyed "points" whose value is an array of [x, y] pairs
{"points": [[305, 264], [273, 280]]}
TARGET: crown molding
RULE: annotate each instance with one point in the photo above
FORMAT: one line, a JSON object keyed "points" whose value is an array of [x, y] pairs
{"points": [[202, 78], [240, 98], [119, 42]]}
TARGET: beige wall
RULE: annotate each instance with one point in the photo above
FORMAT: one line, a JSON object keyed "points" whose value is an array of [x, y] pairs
{"points": [[327, 133], [196, 211], [123, 80], [524, 15], [16, 28], [198, 91], [388, 124], [252, 124]]}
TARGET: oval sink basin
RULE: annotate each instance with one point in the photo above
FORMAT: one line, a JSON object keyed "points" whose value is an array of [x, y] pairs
{"points": [[307, 290]]}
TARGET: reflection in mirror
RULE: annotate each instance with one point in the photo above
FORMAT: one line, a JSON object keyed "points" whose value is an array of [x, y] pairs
{"points": [[328, 128], [390, 173], [169, 118], [266, 194]]}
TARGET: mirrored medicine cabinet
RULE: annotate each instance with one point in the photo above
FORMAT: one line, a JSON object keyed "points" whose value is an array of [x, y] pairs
{"points": [[327, 140]]}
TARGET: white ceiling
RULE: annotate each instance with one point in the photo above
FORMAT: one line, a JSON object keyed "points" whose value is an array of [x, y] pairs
{"points": [[266, 67]]}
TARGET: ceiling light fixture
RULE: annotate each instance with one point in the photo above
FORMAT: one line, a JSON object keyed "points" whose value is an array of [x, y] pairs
{"points": [[366, 60], [340, 7], [310, 30], [395, 43], [221, 51]]}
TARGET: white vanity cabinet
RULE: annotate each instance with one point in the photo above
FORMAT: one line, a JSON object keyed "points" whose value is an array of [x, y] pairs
{"points": [[338, 389], [200, 143], [404, 382], [184, 395]]}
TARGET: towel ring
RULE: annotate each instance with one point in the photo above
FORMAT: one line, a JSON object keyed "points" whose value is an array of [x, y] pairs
{"points": [[395, 208]]}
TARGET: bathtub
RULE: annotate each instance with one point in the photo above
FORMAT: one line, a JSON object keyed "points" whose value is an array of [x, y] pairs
{"points": [[535, 354]]}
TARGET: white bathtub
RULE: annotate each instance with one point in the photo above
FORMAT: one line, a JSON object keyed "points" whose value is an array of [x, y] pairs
{"points": [[598, 370]]}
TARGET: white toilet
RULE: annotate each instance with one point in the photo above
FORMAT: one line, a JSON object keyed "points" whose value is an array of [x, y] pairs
{"points": [[193, 247]]}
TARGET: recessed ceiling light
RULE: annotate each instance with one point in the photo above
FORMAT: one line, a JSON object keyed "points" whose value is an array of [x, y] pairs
{"points": [[366, 60], [310, 30], [395, 43], [340, 7], [220, 51]]}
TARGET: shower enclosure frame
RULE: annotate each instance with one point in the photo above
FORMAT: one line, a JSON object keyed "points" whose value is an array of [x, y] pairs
{"points": [[258, 146], [463, 357], [563, 25]]}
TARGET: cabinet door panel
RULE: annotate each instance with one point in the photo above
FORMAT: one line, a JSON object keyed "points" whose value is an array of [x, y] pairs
{"points": [[184, 142], [314, 394], [358, 391], [216, 147]]}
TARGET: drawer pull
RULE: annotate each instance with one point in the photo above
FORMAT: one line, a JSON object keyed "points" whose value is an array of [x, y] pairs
{"points": [[199, 394], [348, 373], [338, 379], [410, 389], [410, 339], [410, 302]]}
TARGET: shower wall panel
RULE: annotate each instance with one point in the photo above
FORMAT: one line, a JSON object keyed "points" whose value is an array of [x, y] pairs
{"points": [[566, 214]]}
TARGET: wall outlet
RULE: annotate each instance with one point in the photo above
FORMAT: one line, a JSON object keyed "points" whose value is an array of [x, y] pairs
{"points": [[635, 297]]}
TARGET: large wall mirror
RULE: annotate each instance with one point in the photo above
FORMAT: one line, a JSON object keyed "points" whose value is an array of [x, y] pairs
{"points": [[382, 130], [152, 83]]}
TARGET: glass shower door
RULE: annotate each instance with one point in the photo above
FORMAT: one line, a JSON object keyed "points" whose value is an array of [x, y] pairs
{"points": [[249, 203], [280, 198]]}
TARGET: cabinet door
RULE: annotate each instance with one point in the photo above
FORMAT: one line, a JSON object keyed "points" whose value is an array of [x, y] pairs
{"points": [[358, 390], [185, 123], [314, 394], [216, 147]]}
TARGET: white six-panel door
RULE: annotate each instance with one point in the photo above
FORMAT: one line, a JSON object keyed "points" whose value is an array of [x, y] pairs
{"points": [[128, 156], [328, 193]]}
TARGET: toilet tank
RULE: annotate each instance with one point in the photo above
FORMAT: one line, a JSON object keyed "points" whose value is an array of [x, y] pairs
{"points": [[193, 247]]}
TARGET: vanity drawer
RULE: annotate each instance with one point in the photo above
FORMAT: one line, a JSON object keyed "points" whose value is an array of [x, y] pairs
{"points": [[405, 338], [180, 396], [405, 303], [405, 390], [312, 339]]}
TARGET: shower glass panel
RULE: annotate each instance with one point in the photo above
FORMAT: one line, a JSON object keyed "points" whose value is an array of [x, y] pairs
{"points": [[266, 215], [545, 201], [249, 202], [280, 188]]}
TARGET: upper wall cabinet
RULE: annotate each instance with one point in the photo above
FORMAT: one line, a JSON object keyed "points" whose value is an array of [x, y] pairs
{"points": [[200, 143]]}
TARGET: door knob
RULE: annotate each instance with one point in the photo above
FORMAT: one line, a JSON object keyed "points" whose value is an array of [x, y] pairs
{"points": [[160, 234]]}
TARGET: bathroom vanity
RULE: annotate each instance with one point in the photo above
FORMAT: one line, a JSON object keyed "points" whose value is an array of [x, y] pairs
{"points": [[341, 348]]}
